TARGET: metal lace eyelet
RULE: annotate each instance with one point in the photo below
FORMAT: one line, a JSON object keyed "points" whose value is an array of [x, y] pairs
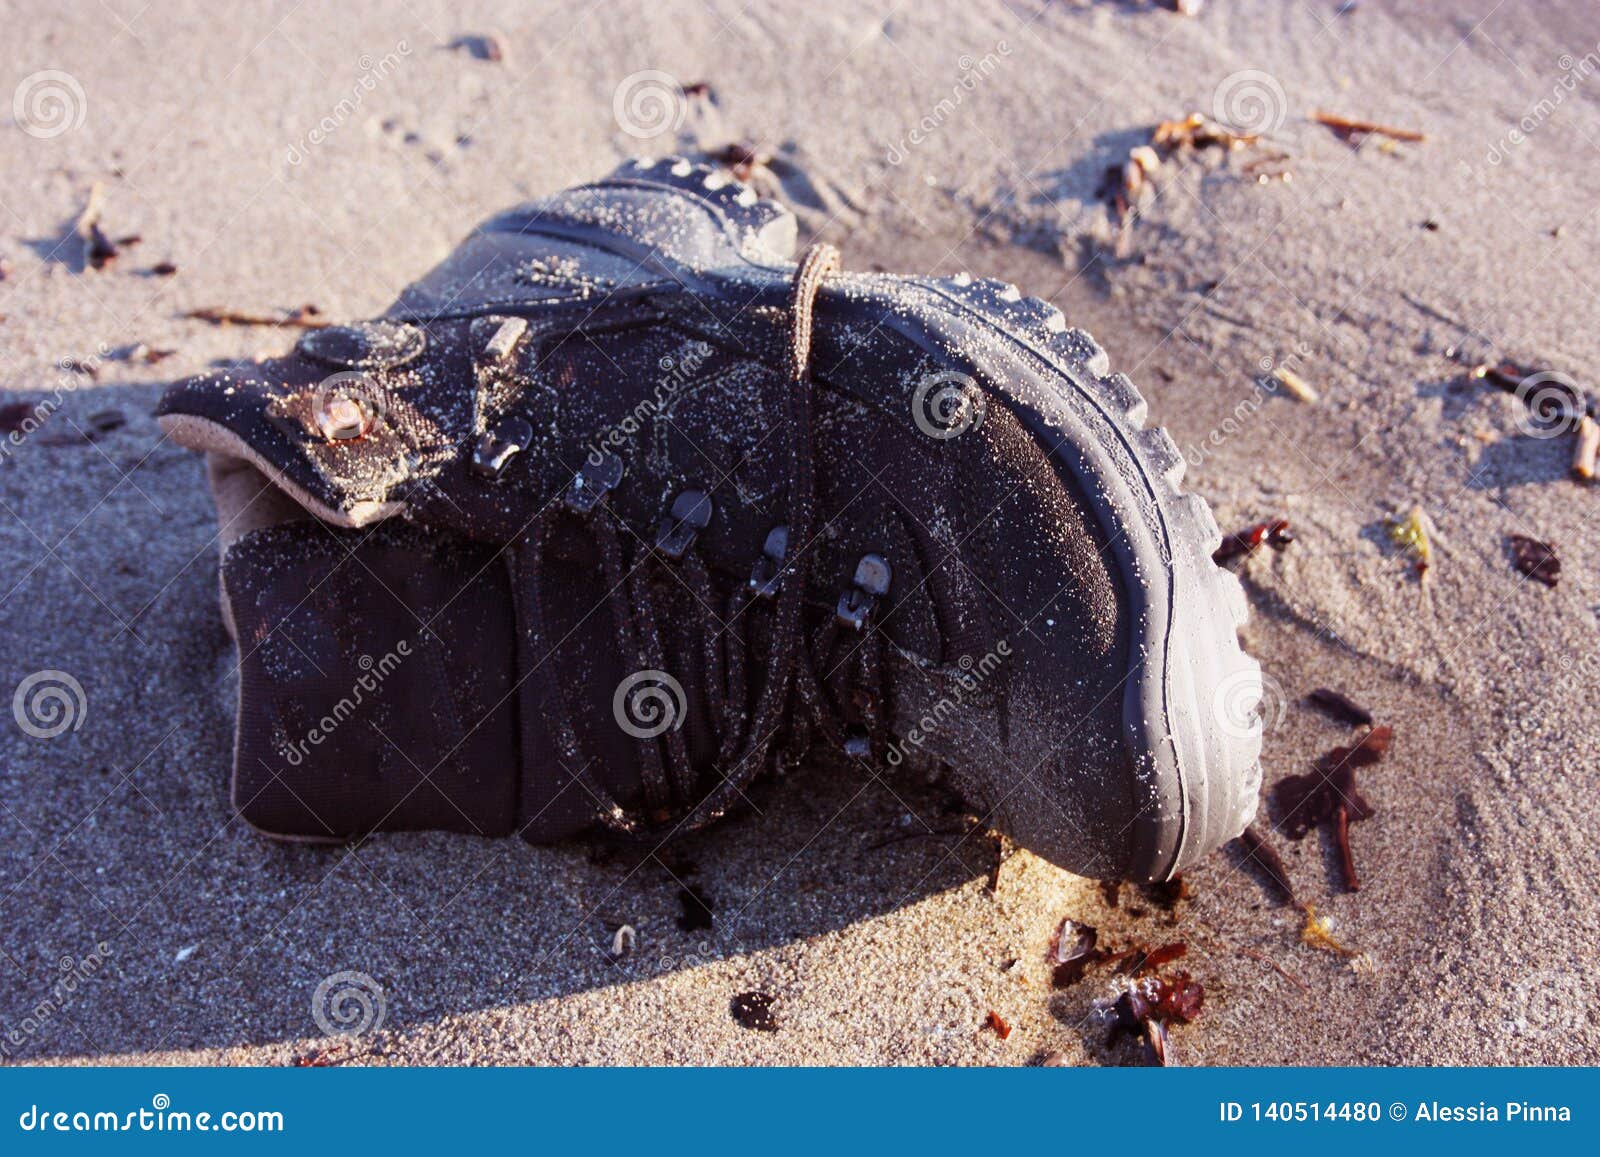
{"points": [[691, 513], [498, 446], [871, 583], [592, 483], [342, 419], [766, 576]]}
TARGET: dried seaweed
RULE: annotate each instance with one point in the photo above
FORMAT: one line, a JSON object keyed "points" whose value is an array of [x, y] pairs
{"points": [[1140, 959], [1537, 560], [1073, 948], [1329, 796], [1150, 1005], [1317, 932], [1264, 856], [1414, 535], [1274, 532], [1339, 706]]}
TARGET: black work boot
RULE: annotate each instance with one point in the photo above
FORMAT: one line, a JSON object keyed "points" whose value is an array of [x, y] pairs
{"points": [[620, 507]]}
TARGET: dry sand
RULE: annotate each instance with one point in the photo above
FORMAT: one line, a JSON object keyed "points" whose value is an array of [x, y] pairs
{"points": [[1479, 914]]}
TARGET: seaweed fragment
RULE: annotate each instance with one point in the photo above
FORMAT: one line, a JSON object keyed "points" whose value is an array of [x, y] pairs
{"points": [[1329, 796], [1149, 1005], [1264, 856], [1274, 532], [1414, 535], [1537, 560], [1073, 948], [1141, 958]]}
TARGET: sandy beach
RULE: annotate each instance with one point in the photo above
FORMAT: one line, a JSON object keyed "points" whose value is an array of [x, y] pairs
{"points": [[292, 155]]}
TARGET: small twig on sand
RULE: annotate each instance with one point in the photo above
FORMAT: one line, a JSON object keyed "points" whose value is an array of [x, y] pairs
{"points": [[1276, 967], [97, 247], [1347, 128], [306, 317]]}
